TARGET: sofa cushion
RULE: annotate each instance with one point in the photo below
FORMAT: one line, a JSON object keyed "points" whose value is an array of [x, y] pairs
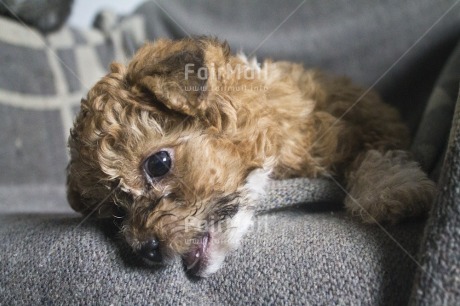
{"points": [[437, 280], [294, 257]]}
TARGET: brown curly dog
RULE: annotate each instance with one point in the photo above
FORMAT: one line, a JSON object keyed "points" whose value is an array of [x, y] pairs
{"points": [[184, 139]]}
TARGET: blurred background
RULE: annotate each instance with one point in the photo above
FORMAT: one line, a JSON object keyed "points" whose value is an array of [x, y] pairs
{"points": [[84, 11]]}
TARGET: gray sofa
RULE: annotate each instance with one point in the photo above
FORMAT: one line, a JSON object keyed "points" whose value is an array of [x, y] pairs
{"points": [[303, 249]]}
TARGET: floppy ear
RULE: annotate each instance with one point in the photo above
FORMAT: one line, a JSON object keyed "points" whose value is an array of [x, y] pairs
{"points": [[179, 82], [76, 201], [177, 73], [93, 203], [85, 194]]}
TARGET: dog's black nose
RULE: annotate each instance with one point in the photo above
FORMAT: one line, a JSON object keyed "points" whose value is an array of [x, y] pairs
{"points": [[150, 250]]}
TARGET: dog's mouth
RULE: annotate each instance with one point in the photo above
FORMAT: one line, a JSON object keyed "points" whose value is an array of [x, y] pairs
{"points": [[197, 259]]}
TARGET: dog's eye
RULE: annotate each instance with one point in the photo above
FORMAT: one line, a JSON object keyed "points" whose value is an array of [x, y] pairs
{"points": [[158, 164]]}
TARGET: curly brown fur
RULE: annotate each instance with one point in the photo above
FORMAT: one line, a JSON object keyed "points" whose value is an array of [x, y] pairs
{"points": [[228, 124]]}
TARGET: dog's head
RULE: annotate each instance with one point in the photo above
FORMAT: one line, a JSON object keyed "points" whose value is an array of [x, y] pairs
{"points": [[156, 144]]}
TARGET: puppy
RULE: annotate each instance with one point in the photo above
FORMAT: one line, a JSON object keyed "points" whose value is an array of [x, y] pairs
{"points": [[184, 139]]}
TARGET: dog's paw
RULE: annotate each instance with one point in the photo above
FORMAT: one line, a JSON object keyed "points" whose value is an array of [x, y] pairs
{"points": [[388, 187]]}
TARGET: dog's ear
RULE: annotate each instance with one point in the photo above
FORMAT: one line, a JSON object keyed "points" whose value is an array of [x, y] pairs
{"points": [[86, 204], [74, 197], [177, 73], [85, 193], [180, 82], [91, 203]]}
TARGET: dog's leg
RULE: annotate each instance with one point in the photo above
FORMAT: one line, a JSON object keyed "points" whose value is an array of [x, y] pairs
{"points": [[387, 187]]}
